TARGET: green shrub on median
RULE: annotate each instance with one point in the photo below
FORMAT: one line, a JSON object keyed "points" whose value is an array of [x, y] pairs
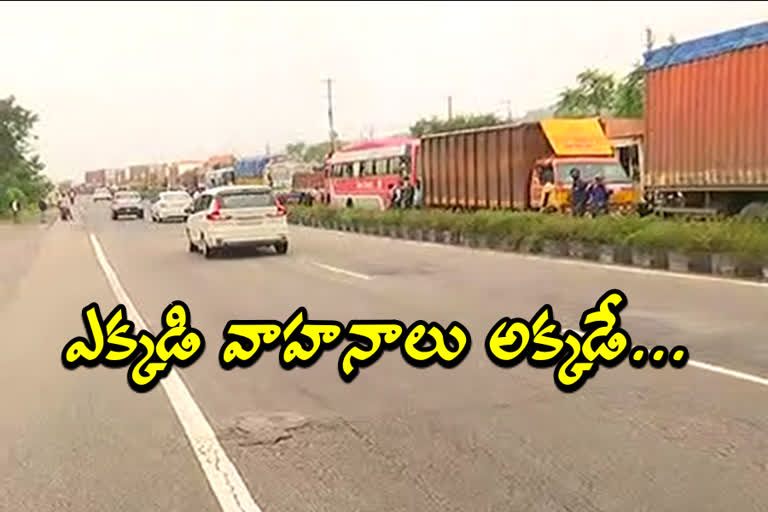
{"points": [[734, 236]]}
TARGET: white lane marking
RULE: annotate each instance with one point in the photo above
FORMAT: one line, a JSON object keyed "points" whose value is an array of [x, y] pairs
{"points": [[223, 477], [730, 373], [341, 271], [718, 369], [564, 261]]}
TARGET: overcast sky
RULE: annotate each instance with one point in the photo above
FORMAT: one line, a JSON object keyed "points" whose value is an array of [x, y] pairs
{"points": [[117, 84]]}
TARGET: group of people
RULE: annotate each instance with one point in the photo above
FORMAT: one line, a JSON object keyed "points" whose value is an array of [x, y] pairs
{"points": [[405, 194], [592, 197]]}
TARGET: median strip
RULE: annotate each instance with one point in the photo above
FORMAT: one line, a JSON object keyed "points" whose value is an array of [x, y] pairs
{"points": [[730, 248]]}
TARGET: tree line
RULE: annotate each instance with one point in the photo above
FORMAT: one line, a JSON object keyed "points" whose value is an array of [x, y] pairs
{"points": [[21, 169]]}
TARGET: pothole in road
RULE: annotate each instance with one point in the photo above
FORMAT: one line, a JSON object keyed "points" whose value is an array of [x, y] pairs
{"points": [[263, 429]]}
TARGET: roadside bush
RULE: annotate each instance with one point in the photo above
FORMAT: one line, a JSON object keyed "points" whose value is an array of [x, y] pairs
{"points": [[740, 238]]}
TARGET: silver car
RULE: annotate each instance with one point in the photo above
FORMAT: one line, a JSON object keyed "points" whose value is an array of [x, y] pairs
{"points": [[127, 203]]}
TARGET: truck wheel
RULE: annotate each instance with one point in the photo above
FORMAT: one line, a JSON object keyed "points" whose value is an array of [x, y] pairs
{"points": [[281, 247], [191, 247]]}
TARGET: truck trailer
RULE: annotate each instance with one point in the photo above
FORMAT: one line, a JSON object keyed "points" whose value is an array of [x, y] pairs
{"points": [[520, 166], [707, 124]]}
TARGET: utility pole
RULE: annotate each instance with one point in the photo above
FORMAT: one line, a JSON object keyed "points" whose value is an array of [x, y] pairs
{"points": [[650, 40], [450, 107], [331, 132], [267, 149]]}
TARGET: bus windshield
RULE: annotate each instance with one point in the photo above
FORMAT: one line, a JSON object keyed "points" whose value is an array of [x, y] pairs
{"points": [[612, 172]]}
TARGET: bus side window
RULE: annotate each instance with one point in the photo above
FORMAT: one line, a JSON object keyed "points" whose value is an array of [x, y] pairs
{"points": [[366, 168], [380, 167], [394, 166]]}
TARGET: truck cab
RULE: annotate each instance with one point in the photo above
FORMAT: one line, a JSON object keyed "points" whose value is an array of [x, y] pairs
{"points": [[578, 144], [551, 182]]}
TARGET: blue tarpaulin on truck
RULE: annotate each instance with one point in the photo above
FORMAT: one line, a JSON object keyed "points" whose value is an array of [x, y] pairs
{"points": [[706, 47], [251, 167]]}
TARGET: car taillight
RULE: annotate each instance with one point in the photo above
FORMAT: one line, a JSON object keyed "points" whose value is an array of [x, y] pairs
{"points": [[280, 209], [215, 213]]}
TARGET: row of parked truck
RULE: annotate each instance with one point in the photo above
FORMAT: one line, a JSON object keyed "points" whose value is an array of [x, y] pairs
{"points": [[701, 149]]}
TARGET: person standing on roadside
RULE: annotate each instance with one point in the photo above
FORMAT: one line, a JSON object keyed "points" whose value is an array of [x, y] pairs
{"points": [[407, 194], [578, 193], [43, 205], [397, 194], [418, 194], [15, 208], [598, 197]]}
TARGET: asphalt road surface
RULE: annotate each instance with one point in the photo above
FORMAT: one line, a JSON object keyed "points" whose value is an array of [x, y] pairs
{"points": [[473, 438]]}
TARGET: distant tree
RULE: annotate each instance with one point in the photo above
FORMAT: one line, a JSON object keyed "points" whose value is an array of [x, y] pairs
{"points": [[672, 39], [310, 153], [594, 95], [628, 100], [317, 153], [598, 93], [461, 122], [20, 167], [296, 150]]}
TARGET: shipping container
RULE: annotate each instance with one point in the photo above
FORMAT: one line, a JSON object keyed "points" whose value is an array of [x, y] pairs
{"points": [[485, 168], [251, 167], [307, 181], [501, 166], [707, 121]]}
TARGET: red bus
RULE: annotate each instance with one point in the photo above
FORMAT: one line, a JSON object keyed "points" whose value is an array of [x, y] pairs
{"points": [[363, 174]]}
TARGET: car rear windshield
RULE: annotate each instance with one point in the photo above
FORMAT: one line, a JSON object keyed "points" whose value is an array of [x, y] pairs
{"points": [[246, 199], [175, 196], [127, 195]]}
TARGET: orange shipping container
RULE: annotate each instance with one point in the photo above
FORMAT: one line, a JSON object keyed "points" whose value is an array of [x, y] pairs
{"points": [[707, 113]]}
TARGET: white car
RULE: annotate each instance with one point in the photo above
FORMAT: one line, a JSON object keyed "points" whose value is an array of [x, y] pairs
{"points": [[170, 205], [127, 202], [102, 194], [235, 216]]}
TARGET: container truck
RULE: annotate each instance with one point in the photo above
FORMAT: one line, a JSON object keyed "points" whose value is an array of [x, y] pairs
{"points": [[707, 124], [523, 166], [251, 170]]}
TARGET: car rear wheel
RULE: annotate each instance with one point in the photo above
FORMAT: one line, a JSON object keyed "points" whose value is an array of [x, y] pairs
{"points": [[208, 251], [191, 247], [114, 216], [140, 215], [281, 247]]}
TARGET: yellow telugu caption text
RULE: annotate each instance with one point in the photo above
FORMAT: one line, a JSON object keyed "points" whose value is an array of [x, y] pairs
{"points": [[576, 357], [113, 343]]}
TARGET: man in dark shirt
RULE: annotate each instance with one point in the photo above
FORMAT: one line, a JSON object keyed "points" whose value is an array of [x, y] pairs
{"points": [[598, 196], [407, 193], [578, 193]]}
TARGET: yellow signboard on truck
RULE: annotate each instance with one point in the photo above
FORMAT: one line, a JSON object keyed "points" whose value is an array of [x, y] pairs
{"points": [[577, 137]]}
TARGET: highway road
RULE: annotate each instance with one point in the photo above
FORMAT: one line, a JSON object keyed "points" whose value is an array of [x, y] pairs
{"points": [[473, 438]]}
